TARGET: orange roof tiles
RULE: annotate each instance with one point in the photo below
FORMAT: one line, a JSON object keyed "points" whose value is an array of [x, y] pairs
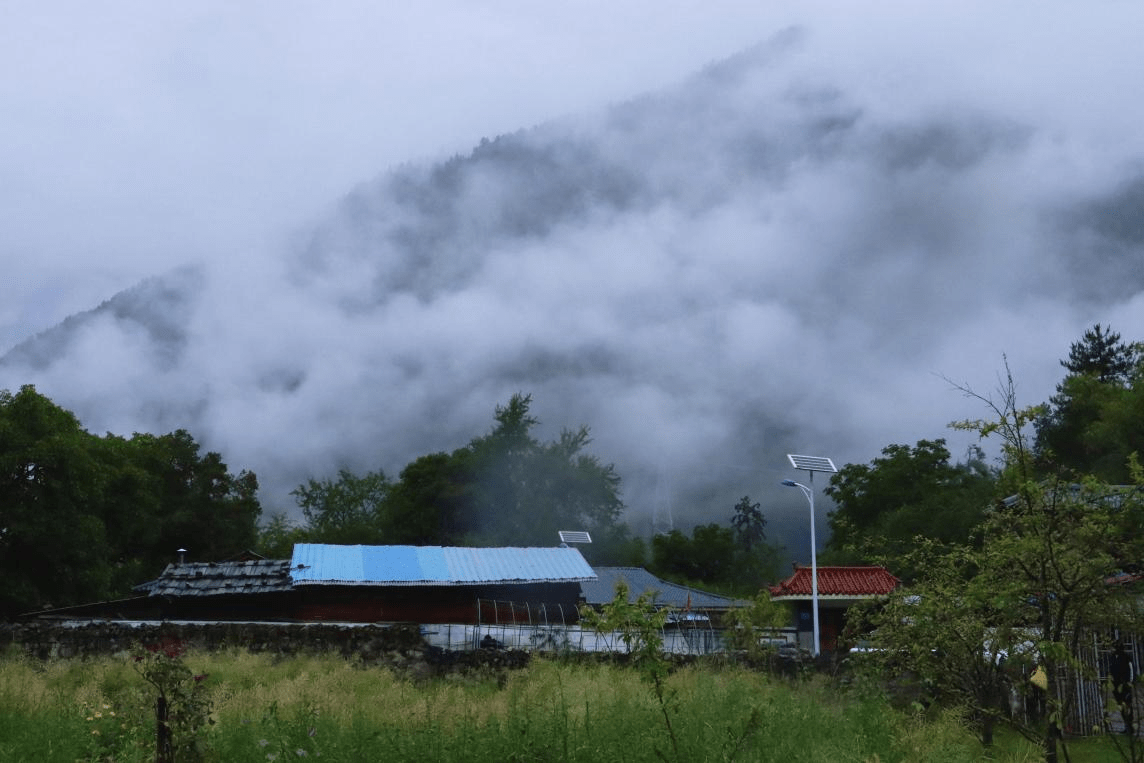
{"points": [[838, 581]]}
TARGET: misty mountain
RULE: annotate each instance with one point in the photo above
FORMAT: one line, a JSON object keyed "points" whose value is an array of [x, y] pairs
{"points": [[755, 262]]}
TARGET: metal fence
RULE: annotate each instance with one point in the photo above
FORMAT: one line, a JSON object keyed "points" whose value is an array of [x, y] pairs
{"points": [[563, 638], [541, 628], [1087, 693]]}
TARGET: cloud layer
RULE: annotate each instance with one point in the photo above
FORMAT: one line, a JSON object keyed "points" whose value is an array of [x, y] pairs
{"points": [[783, 252]]}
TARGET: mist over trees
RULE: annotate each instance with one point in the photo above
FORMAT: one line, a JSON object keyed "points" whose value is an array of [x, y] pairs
{"points": [[735, 557], [503, 488], [631, 267], [84, 517], [508, 488]]}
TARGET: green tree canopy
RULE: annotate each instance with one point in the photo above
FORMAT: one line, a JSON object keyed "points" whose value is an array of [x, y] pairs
{"points": [[201, 506], [1101, 354], [82, 518], [907, 492], [749, 523], [1095, 421], [54, 548], [1037, 586], [733, 558], [349, 509], [504, 488], [525, 491]]}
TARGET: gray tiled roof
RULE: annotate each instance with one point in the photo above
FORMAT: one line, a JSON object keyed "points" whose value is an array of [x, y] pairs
{"points": [[603, 589], [215, 578]]}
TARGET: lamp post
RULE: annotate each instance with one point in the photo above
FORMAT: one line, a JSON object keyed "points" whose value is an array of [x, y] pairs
{"points": [[811, 464]]}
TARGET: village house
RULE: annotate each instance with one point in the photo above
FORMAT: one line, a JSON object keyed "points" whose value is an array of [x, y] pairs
{"points": [[839, 588], [461, 597], [435, 584]]}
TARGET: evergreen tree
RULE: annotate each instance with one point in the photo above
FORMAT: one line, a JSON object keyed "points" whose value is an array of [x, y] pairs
{"points": [[503, 488], [1100, 353], [1095, 419]]}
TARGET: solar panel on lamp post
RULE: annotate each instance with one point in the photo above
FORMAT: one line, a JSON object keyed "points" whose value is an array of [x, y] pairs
{"points": [[811, 464]]}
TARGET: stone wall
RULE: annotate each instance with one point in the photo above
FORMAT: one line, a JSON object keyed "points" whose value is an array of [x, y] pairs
{"points": [[398, 646]]}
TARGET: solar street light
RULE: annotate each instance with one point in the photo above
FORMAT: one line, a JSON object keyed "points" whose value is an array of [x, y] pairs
{"points": [[811, 464]]}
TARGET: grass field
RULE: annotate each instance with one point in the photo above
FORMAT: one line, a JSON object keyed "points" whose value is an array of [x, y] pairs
{"points": [[265, 709]]}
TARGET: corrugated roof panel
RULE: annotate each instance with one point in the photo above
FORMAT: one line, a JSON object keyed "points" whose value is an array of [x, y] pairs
{"points": [[389, 563], [320, 564], [319, 561], [490, 565], [639, 580], [432, 563]]}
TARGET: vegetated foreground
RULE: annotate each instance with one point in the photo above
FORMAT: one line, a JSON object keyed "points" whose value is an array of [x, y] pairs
{"points": [[264, 708]]}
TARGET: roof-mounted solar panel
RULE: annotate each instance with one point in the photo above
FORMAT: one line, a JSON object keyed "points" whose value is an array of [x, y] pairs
{"points": [[574, 536], [812, 463]]}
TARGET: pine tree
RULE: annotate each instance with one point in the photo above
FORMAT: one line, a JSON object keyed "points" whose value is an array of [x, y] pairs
{"points": [[1101, 353]]}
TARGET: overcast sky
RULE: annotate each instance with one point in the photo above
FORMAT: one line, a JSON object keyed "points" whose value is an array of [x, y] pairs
{"points": [[877, 198], [135, 135]]}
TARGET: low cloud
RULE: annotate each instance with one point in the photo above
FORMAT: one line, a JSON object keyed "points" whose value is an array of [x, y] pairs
{"points": [[770, 256]]}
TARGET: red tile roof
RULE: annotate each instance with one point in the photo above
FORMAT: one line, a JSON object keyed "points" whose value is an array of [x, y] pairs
{"points": [[838, 581]]}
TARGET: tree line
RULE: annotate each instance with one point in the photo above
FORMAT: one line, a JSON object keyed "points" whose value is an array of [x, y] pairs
{"points": [[1011, 571], [508, 488], [83, 517]]}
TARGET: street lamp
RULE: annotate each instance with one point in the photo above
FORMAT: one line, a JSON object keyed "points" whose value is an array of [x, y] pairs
{"points": [[811, 464]]}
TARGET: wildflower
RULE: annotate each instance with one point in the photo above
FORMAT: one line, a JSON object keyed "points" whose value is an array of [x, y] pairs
{"points": [[90, 718], [300, 752], [170, 647], [262, 743], [98, 714], [95, 732]]}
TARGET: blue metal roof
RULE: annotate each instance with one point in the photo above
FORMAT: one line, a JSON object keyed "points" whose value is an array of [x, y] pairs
{"points": [[324, 564]]}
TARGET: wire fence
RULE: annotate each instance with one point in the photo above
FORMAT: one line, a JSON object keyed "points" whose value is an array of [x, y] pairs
{"points": [[1087, 691], [563, 638], [551, 628]]}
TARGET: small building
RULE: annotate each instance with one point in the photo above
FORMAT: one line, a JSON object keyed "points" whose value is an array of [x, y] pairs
{"points": [[694, 624], [839, 588], [361, 584], [685, 601], [436, 584], [244, 589], [248, 588]]}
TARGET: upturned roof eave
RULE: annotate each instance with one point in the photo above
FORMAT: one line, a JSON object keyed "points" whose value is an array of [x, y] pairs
{"points": [[824, 596]]}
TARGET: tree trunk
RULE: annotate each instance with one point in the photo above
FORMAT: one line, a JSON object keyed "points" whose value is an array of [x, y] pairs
{"points": [[1051, 742], [1053, 706], [163, 751]]}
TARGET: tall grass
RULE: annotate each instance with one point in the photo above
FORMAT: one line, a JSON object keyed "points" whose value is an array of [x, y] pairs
{"points": [[268, 709]]}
